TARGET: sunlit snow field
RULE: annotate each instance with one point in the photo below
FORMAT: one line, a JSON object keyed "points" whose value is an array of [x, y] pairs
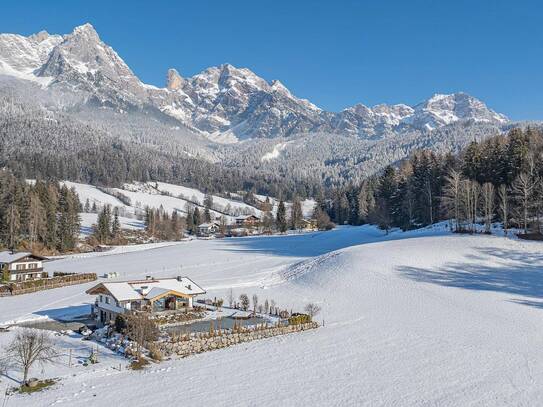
{"points": [[417, 318]]}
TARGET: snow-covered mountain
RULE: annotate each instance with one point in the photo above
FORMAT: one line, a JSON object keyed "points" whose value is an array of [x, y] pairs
{"points": [[224, 103], [441, 110]]}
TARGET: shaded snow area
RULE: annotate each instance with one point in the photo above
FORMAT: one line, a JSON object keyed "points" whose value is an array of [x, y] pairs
{"points": [[417, 318]]}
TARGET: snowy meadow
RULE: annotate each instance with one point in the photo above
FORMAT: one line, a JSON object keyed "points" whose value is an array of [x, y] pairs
{"points": [[416, 318]]}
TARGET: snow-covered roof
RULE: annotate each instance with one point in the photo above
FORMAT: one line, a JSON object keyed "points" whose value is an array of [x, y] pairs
{"points": [[122, 291], [8, 256], [151, 288], [244, 217], [208, 225], [155, 292]]}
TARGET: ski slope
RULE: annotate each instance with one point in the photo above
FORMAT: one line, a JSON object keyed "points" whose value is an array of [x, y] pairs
{"points": [[418, 318]]}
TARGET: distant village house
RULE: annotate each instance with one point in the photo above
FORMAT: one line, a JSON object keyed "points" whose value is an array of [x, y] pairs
{"points": [[208, 229], [247, 221], [309, 225], [21, 266]]}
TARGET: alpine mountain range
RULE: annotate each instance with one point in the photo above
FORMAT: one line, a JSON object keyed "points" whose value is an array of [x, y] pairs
{"points": [[73, 94]]}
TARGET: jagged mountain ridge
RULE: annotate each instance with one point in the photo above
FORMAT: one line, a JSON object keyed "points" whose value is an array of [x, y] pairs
{"points": [[223, 103]]}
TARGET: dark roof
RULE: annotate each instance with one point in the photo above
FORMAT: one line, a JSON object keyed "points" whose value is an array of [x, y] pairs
{"points": [[9, 257]]}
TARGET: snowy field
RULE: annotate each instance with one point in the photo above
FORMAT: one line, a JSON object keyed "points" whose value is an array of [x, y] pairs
{"points": [[420, 318]]}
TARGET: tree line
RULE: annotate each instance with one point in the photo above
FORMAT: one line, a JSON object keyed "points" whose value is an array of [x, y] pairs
{"points": [[499, 179], [38, 216]]}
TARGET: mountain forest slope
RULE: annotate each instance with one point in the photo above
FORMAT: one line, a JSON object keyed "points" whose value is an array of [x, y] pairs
{"points": [[71, 108]]}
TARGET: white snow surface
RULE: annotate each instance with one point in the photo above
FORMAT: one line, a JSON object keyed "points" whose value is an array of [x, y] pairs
{"points": [[419, 318], [90, 219]]}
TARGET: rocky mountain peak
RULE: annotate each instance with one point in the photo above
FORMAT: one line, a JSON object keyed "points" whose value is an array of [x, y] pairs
{"points": [[174, 81], [39, 37], [443, 109], [86, 30], [221, 100], [277, 86]]}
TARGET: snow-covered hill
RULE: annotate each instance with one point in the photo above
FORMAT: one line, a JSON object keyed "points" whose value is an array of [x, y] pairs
{"points": [[132, 199], [417, 318]]}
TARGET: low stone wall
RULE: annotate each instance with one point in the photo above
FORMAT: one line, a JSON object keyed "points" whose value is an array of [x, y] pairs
{"points": [[198, 343]]}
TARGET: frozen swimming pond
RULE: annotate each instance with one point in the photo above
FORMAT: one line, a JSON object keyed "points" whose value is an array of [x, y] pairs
{"points": [[225, 323]]}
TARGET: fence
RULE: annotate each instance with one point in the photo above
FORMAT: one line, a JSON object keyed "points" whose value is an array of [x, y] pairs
{"points": [[30, 286]]}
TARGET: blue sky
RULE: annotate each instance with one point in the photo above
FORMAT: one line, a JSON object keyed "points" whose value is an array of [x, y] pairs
{"points": [[335, 53]]}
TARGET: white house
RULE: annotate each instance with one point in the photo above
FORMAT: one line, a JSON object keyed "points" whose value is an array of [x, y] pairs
{"points": [[150, 295], [208, 229], [21, 266]]}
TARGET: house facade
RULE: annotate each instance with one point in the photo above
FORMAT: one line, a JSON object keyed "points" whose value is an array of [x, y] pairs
{"points": [[21, 266], [309, 225], [248, 221], [149, 295], [208, 229]]}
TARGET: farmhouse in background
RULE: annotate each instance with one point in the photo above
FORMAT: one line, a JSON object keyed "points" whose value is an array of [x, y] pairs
{"points": [[208, 229], [149, 295], [248, 221], [309, 225], [21, 266]]}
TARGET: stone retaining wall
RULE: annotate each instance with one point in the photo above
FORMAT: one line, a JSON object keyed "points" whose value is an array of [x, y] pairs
{"points": [[205, 342]]}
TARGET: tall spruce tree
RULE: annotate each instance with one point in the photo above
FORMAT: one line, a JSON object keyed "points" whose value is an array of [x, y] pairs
{"points": [[281, 217]]}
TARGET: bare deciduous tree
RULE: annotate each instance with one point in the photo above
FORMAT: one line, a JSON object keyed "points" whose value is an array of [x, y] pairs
{"points": [[230, 298], [30, 346], [470, 201], [255, 303], [503, 199], [312, 309], [141, 329], [272, 306], [488, 204], [523, 188], [452, 197]]}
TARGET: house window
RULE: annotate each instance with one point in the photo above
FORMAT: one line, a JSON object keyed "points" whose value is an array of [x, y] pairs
{"points": [[107, 300], [20, 267], [101, 299]]}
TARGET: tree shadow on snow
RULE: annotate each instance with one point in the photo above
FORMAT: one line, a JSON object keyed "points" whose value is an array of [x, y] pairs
{"points": [[507, 271], [317, 243]]}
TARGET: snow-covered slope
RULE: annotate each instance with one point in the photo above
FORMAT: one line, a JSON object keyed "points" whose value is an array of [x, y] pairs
{"points": [[22, 56], [137, 196], [94, 195], [417, 318]]}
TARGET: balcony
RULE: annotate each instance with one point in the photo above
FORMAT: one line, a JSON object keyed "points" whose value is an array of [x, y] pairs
{"points": [[25, 271]]}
